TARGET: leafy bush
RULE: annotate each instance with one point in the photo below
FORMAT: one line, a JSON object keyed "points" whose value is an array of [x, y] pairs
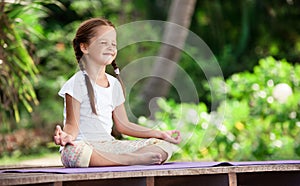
{"points": [[17, 66], [261, 117], [25, 142]]}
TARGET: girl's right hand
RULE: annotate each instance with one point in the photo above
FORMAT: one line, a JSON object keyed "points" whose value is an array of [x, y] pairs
{"points": [[62, 138]]}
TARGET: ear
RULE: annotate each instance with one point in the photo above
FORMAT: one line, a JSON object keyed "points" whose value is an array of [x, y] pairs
{"points": [[84, 48]]}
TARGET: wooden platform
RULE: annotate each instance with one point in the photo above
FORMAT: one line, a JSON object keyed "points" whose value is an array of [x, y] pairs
{"points": [[275, 175]]}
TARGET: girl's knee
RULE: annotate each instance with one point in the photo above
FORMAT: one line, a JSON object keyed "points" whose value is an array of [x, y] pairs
{"points": [[77, 155]]}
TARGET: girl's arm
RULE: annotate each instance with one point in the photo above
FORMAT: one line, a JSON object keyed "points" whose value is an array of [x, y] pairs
{"points": [[126, 127], [70, 131]]}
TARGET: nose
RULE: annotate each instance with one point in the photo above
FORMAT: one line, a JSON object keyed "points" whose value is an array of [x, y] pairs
{"points": [[112, 47]]}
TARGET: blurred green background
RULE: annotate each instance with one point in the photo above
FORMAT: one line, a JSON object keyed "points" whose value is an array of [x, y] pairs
{"points": [[256, 43]]}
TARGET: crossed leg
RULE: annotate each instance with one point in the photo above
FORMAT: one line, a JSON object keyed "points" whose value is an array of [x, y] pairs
{"points": [[147, 155]]}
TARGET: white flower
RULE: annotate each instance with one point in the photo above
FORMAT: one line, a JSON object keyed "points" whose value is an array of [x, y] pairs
{"points": [[223, 129], [270, 83], [230, 137], [142, 119], [192, 116], [204, 125], [281, 92], [278, 143], [255, 87], [272, 136], [235, 77], [236, 146], [262, 94], [293, 115], [205, 116], [270, 99]]}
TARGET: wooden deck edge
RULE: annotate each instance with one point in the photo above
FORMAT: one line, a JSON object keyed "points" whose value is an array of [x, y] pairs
{"points": [[29, 178]]}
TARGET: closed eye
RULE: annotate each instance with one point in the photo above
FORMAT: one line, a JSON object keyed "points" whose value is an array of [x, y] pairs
{"points": [[103, 42]]}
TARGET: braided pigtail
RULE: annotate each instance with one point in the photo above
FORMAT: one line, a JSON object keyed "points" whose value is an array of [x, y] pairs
{"points": [[117, 72], [90, 89]]}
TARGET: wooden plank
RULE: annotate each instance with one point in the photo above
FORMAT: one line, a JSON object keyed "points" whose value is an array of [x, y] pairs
{"points": [[282, 178], [203, 180], [150, 181], [5, 167], [110, 182], [58, 184], [232, 179], [29, 178]]}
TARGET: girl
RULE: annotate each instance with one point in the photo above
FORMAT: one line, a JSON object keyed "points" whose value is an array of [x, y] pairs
{"points": [[93, 100]]}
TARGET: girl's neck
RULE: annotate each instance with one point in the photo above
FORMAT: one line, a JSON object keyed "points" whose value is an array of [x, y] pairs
{"points": [[96, 74]]}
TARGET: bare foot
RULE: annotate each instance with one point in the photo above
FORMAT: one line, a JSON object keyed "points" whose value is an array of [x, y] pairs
{"points": [[147, 158]]}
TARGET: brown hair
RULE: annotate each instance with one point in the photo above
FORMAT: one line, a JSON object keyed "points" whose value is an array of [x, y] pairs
{"points": [[85, 32]]}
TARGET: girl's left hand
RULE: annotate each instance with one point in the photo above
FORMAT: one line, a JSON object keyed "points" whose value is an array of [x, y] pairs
{"points": [[172, 136]]}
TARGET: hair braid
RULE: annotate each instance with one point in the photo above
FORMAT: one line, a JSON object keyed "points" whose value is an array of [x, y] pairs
{"points": [[79, 57], [117, 72]]}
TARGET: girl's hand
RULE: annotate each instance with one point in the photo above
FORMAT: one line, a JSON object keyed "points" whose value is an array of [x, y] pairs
{"points": [[62, 138], [172, 136]]}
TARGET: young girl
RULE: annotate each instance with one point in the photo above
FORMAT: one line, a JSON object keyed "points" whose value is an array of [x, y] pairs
{"points": [[94, 100]]}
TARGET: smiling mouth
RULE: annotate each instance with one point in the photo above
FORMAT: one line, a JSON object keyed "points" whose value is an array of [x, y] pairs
{"points": [[109, 54]]}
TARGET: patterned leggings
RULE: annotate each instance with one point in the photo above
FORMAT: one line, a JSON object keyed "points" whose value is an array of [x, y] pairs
{"points": [[79, 155]]}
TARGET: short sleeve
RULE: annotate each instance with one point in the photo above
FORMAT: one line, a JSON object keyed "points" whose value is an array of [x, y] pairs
{"points": [[74, 87], [118, 95]]}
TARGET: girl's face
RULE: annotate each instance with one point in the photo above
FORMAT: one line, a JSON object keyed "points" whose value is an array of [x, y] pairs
{"points": [[102, 49]]}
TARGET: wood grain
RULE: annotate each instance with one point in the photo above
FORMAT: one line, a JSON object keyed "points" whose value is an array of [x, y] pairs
{"points": [[148, 177]]}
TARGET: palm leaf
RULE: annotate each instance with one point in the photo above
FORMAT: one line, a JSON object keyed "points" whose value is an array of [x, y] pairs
{"points": [[17, 69]]}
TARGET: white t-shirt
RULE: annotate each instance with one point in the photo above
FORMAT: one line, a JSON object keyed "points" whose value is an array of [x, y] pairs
{"points": [[94, 127]]}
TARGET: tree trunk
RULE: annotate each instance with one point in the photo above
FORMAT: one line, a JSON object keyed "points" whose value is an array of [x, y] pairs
{"points": [[180, 13]]}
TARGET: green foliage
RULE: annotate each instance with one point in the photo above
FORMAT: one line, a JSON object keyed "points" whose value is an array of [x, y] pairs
{"points": [[260, 114], [257, 124], [25, 142], [17, 68], [241, 32], [37, 57]]}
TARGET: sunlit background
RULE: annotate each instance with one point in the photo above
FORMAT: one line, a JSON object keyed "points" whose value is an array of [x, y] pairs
{"points": [[256, 44]]}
